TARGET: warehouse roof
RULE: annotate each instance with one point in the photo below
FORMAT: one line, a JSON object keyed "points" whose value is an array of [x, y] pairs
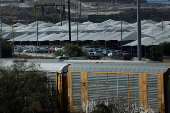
{"points": [[137, 67]]}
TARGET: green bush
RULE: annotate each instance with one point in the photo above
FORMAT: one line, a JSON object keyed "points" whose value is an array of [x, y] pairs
{"points": [[157, 52], [71, 50], [6, 48]]}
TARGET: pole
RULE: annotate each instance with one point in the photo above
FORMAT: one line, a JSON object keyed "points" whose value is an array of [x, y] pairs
{"points": [[75, 15], [12, 28], [162, 19], [56, 11], [69, 21], [80, 10], [61, 11], [139, 30], [1, 33], [121, 33], [97, 8], [77, 23], [37, 25]]}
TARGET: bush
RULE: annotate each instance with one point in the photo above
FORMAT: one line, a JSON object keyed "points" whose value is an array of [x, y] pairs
{"points": [[157, 52], [71, 50], [6, 48], [21, 88]]}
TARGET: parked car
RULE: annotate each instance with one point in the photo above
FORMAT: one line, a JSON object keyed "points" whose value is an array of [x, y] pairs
{"points": [[125, 52], [98, 53], [92, 52], [85, 48], [52, 49], [62, 58], [111, 53], [59, 48], [117, 52], [46, 50], [105, 52]]}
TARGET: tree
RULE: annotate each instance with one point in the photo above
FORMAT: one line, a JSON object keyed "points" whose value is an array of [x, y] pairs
{"points": [[6, 48], [22, 88], [71, 50], [157, 52]]}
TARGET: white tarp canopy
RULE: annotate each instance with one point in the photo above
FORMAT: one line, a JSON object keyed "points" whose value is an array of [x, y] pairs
{"points": [[107, 30]]}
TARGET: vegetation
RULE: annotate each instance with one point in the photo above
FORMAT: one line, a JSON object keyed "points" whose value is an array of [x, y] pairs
{"points": [[102, 108], [124, 108], [6, 48], [157, 52], [22, 91], [71, 50]]}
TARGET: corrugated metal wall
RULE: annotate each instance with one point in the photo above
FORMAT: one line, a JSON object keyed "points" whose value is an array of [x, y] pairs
{"points": [[112, 88], [152, 82], [92, 87], [76, 90], [122, 90], [102, 88], [106, 87], [134, 89]]}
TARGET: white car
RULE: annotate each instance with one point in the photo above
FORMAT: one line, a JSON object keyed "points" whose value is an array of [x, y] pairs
{"points": [[111, 53], [58, 48]]}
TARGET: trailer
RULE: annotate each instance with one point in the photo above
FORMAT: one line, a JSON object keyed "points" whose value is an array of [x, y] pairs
{"points": [[122, 83]]}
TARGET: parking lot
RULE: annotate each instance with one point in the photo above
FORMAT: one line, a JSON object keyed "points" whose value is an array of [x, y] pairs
{"points": [[47, 52]]}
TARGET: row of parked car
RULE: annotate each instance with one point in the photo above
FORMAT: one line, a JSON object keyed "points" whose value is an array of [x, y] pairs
{"points": [[104, 51], [101, 51]]}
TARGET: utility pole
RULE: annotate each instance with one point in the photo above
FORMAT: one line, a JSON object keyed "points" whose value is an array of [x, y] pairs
{"points": [[1, 33], [69, 21], [97, 8], [80, 10], [37, 24], [139, 30], [121, 32], [162, 20], [77, 24], [61, 11]]}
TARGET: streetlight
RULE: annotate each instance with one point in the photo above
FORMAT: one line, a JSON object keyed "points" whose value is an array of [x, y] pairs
{"points": [[139, 30], [69, 21], [77, 22], [121, 32], [61, 11]]}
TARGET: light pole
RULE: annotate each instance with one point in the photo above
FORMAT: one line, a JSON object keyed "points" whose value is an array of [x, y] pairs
{"points": [[121, 32], [80, 10], [37, 23], [77, 22], [61, 11], [69, 21], [139, 30], [162, 20]]}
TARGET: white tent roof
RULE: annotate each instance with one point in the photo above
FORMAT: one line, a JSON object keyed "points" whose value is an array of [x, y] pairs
{"points": [[107, 30]]}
